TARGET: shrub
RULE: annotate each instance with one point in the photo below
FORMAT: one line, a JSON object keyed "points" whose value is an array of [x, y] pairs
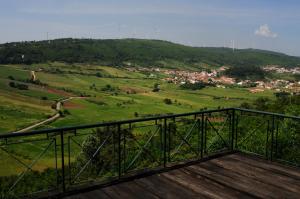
{"points": [[18, 86], [44, 98], [196, 86], [99, 74], [156, 88], [167, 101]]}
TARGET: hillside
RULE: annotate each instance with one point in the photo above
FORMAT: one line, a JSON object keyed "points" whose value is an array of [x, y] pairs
{"points": [[136, 51]]}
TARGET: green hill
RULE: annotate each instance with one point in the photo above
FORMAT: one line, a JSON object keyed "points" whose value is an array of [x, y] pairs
{"points": [[117, 52]]}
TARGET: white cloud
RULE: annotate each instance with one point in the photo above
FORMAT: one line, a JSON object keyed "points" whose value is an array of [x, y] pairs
{"points": [[265, 31]]}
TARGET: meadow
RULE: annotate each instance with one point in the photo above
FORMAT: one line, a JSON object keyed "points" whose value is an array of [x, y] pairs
{"points": [[129, 96], [110, 94]]}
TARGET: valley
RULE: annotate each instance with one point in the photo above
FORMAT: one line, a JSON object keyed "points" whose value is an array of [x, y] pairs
{"points": [[111, 93]]}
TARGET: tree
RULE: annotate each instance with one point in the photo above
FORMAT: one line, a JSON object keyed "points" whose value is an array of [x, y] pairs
{"points": [[12, 84], [167, 101], [156, 88]]}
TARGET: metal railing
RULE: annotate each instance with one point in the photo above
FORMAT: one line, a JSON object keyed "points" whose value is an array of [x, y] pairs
{"points": [[60, 160]]}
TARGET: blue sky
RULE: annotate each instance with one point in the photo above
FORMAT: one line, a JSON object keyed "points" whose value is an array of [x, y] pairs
{"points": [[264, 24]]}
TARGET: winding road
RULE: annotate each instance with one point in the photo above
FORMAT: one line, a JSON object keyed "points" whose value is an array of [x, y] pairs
{"points": [[57, 115]]}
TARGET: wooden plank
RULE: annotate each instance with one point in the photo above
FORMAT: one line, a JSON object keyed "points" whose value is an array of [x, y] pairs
{"points": [[129, 190], [166, 188], [90, 195], [271, 166], [204, 186], [260, 174], [231, 176], [242, 183]]}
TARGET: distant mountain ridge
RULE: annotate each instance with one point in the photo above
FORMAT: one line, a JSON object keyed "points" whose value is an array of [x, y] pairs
{"points": [[117, 52]]}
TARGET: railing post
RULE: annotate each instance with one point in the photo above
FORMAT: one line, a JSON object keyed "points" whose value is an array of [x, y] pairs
{"points": [[272, 136], [199, 138], [63, 161], [236, 131], [232, 129], [205, 137], [119, 151], [276, 140], [202, 134], [165, 142], [267, 141]]}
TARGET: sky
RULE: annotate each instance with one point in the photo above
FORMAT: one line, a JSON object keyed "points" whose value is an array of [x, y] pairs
{"points": [[262, 24]]}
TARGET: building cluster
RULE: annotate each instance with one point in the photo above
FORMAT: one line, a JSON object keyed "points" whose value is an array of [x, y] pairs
{"points": [[278, 69], [213, 76], [216, 77]]}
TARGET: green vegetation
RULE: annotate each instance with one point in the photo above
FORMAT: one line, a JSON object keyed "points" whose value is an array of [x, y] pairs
{"points": [[114, 93], [196, 86], [107, 97], [18, 86], [136, 52], [242, 72], [284, 103]]}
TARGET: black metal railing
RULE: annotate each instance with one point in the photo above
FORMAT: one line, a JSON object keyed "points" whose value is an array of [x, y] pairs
{"points": [[60, 160]]}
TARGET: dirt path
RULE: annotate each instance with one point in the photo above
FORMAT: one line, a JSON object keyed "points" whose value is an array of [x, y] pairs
{"points": [[57, 115]]}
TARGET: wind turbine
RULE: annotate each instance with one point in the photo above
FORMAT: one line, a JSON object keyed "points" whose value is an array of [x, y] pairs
{"points": [[233, 45]]}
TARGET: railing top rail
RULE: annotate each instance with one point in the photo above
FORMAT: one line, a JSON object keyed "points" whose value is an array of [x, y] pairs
{"points": [[63, 129], [267, 113]]}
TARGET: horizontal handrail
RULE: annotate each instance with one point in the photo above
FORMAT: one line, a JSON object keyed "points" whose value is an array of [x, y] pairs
{"points": [[267, 113]]}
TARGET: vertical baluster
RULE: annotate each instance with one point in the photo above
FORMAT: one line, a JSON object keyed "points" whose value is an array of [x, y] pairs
{"points": [[69, 159], [202, 134], [272, 136], [267, 141], [119, 151], [276, 140], [232, 130], [62, 160], [56, 164], [165, 142], [236, 131], [199, 138]]}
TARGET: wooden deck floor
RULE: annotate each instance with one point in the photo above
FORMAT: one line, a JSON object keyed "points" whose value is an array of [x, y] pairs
{"points": [[230, 176]]}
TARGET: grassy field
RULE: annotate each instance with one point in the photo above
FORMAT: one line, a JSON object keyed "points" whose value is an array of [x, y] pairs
{"points": [[131, 96]]}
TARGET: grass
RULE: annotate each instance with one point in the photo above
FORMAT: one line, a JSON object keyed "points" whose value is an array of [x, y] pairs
{"points": [[133, 97], [106, 106]]}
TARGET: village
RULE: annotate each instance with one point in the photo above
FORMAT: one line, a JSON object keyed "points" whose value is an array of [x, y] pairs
{"points": [[216, 77], [278, 69]]}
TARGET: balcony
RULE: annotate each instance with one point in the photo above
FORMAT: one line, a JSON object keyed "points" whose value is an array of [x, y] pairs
{"points": [[226, 153], [230, 176]]}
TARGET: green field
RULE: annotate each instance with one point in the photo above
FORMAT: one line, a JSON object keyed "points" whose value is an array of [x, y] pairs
{"points": [[132, 95], [129, 95]]}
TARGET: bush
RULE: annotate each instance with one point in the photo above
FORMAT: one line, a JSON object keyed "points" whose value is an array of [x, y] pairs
{"points": [[66, 112], [18, 86], [44, 98], [109, 88], [136, 114], [99, 74], [12, 84], [246, 72], [196, 86], [156, 88], [167, 101]]}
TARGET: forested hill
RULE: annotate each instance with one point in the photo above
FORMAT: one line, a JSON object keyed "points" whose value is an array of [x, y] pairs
{"points": [[142, 52]]}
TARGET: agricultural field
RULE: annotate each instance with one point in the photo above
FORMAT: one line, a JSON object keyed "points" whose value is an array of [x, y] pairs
{"points": [[110, 93]]}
